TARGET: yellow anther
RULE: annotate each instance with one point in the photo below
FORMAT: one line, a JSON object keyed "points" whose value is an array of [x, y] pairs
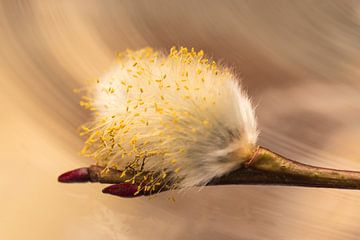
{"points": [[201, 53]]}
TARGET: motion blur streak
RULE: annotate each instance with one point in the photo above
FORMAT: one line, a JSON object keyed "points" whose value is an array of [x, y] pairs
{"points": [[298, 59]]}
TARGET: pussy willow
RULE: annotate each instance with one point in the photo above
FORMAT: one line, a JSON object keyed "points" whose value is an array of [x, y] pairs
{"points": [[179, 117]]}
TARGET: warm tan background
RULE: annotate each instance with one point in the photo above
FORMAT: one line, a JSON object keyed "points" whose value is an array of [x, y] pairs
{"points": [[300, 61]]}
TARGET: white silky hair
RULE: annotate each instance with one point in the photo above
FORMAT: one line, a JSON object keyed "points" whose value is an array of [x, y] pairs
{"points": [[189, 116]]}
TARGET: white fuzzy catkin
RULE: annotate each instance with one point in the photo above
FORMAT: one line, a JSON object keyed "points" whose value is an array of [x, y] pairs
{"points": [[178, 114]]}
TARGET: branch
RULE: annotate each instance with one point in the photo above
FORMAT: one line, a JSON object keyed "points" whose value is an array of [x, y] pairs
{"points": [[265, 168]]}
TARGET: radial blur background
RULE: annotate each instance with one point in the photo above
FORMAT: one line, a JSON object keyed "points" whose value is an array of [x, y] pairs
{"points": [[299, 60]]}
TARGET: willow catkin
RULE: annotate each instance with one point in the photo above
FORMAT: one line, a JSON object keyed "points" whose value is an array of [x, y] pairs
{"points": [[179, 117]]}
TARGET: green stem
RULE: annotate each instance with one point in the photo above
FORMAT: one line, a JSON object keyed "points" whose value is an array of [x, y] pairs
{"points": [[269, 168]]}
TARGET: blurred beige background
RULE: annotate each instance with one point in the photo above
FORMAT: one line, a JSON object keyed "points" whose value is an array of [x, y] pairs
{"points": [[300, 60]]}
